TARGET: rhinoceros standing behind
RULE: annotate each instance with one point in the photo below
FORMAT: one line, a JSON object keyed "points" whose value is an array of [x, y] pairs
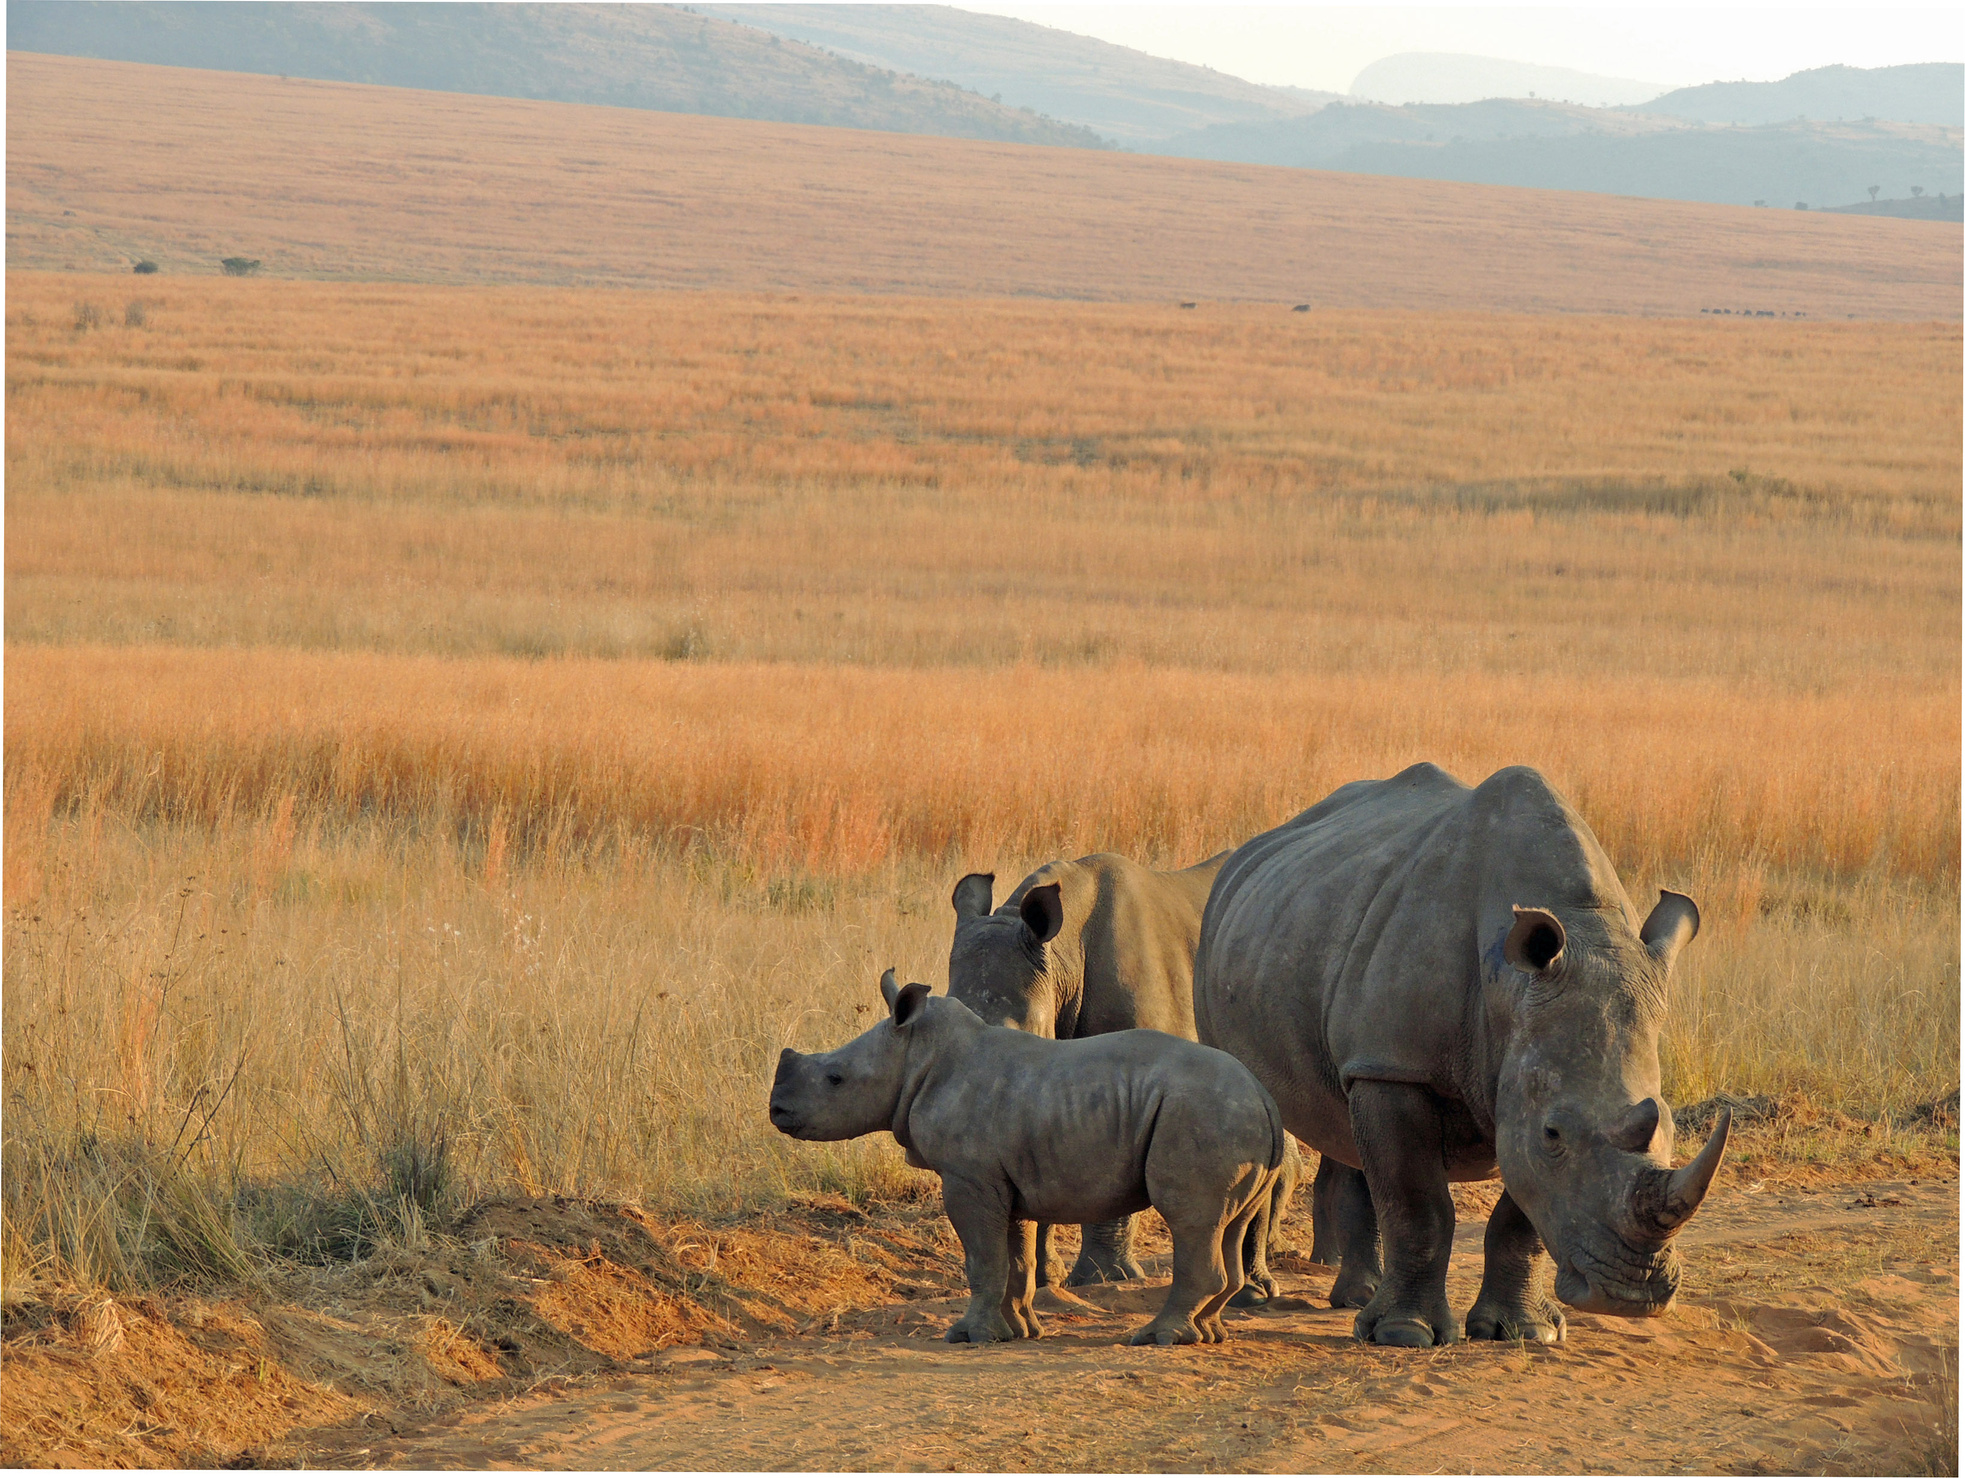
{"points": [[1080, 949], [1433, 980], [1023, 1129]]}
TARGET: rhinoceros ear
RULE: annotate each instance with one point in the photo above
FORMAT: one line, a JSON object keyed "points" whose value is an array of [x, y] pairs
{"points": [[973, 895], [889, 987], [1673, 924], [1535, 943], [908, 1002], [1043, 913]]}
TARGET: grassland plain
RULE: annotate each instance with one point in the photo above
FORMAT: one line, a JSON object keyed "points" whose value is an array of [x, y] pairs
{"points": [[109, 163], [456, 736]]}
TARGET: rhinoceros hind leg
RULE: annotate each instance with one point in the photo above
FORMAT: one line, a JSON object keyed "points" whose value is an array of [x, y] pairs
{"points": [[1106, 1255], [1514, 1301], [1349, 1236], [1258, 1284], [1020, 1288], [1397, 1129], [1051, 1271]]}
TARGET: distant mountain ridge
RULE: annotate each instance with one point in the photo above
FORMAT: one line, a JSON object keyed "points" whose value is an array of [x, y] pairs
{"points": [[1449, 77], [658, 57], [1557, 146], [1924, 92], [1120, 93]]}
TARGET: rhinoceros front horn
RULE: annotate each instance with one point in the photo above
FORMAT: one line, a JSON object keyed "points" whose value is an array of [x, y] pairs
{"points": [[1671, 1197]]}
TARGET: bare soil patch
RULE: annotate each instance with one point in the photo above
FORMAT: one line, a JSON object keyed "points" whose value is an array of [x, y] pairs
{"points": [[1818, 1333]]}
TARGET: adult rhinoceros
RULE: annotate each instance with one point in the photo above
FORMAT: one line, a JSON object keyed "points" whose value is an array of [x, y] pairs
{"points": [[1080, 949], [1432, 980]]}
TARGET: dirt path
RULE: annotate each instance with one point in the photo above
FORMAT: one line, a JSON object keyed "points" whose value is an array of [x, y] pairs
{"points": [[1819, 1333]]}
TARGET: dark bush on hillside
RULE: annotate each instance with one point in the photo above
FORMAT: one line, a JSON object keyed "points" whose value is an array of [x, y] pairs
{"points": [[144, 268]]}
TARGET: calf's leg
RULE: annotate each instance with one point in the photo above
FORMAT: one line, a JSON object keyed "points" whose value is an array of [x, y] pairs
{"points": [[981, 1216], [1020, 1287], [1201, 1277], [1397, 1127], [1252, 1256]]}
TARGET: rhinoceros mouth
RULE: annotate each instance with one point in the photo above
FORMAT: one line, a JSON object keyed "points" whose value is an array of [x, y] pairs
{"points": [[1621, 1282], [785, 1121]]}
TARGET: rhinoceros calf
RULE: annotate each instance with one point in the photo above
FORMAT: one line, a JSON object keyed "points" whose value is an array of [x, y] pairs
{"points": [[1435, 982], [1021, 1129], [1080, 949]]}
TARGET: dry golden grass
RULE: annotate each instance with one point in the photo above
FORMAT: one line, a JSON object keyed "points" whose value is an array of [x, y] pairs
{"points": [[460, 471], [324, 910], [844, 771], [109, 162]]}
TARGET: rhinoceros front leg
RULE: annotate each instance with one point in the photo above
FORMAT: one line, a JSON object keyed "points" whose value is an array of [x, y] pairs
{"points": [[1106, 1255], [1514, 1302], [981, 1217], [1344, 1233], [1397, 1127]]}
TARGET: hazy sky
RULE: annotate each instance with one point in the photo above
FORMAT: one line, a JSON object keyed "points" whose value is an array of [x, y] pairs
{"points": [[1326, 46]]}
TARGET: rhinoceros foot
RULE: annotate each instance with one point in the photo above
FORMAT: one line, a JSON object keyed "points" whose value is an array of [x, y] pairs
{"points": [[1355, 1287], [1106, 1255], [1096, 1265], [982, 1329], [1185, 1332], [1541, 1323], [1255, 1293], [1385, 1321]]}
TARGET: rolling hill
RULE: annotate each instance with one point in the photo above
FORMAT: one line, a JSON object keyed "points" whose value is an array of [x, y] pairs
{"points": [[1123, 94], [112, 162], [633, 56], [1555, 146], [1928, 92]]}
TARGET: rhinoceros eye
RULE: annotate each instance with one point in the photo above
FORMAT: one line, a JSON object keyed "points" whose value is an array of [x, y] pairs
{"points": [[834, 1079]]}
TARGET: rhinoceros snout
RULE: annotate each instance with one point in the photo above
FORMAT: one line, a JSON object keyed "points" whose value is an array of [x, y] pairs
{"points": [[1623, 1289], [782, 1116]]}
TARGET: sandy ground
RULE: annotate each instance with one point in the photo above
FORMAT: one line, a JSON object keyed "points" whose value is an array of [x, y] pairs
{"points": [[1818, 1334]]}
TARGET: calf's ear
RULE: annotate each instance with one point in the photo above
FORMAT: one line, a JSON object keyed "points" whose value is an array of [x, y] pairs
{"points": [[1043, 913], [973, 895], [909, 1002], [1673, 924], [889, 987], [1535, 943]]}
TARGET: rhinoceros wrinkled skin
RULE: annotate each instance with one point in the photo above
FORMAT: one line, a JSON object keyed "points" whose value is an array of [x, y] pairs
{"points": [[1435, 982], [1080, 949], [1022, 1129]]}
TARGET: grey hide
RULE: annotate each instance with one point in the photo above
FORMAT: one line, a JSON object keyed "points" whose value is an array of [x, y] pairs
{"points": [[1023, 1129], [1436, 981], [1082, 948]]}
